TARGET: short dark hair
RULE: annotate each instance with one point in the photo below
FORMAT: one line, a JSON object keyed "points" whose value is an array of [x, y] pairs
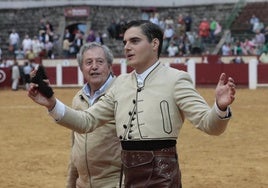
{"points": [[149, 29]]}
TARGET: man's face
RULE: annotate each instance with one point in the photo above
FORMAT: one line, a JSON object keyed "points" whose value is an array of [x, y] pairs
{"points": [[139, 53], [95, 68]]}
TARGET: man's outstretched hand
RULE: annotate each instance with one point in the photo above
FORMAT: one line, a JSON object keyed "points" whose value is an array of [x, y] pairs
{"points": [[39, 98], [225, 92]]}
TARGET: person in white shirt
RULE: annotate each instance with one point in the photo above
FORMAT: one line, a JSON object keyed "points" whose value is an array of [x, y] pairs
{"points": [[172, 49]]}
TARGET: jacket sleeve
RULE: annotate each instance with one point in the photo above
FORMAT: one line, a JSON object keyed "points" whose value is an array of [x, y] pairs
{"points": [[196, 109], [72, 171]]}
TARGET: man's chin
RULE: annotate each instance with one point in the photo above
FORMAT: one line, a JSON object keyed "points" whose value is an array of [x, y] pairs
{"points": [[130, 63]]}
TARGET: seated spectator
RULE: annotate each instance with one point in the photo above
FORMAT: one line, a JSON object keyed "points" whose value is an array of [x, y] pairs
{"points": [[197, 47], [237, 48], [264, 57], [19, 53], [169, 21], [172, 49], [266, 34], [237, 60], [226, 49], [30, 55]]}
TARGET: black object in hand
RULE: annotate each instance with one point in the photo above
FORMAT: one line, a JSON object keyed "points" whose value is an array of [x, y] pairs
{"points": [[39, 78]]}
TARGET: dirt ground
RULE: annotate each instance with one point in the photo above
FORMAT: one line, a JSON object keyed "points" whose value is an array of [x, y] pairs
{"points": [[35, 150]]}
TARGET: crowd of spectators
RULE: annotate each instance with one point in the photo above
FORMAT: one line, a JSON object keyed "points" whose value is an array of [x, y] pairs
{"points": [[181, 38], [40, 45], [255, 44]]}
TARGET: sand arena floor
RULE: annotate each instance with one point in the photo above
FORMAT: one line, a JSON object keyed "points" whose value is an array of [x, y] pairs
{"points": [[35, 151]]}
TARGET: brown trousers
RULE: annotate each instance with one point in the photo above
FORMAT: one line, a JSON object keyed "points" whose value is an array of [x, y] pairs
{"points": [[151, 169]]}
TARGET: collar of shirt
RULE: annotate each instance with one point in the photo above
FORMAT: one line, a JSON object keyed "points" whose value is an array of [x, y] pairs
{"points": [[86, 90], [141, 77]]}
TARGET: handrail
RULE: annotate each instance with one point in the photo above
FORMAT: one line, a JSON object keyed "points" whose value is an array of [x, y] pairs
{"points": [[237, 8], [227, 24]]}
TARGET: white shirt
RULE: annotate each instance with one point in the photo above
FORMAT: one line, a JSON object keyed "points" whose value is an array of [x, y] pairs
{"points": [[14, 38]]}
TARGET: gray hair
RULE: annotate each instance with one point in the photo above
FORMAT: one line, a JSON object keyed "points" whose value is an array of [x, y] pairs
{"points": [[107, 52]]}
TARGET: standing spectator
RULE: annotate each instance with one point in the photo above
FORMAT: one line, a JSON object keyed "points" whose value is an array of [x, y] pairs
{"points": [[26, 44], [168, 36], [37, 46], [154, 18], [27, 69], [1, 53], [181, 45], [180, 25], [188, 22], [218, 28], [67, 34], [148, 129], [91, 36], [42, 29], [259, 39], [15, 75], [259, 26], [212, 29], [78, 40], [112, 29], [204, 30], [49, 33], [119, 27], [253, 21], [66, 47], [14, 40], [95, 157], [49, 36]]}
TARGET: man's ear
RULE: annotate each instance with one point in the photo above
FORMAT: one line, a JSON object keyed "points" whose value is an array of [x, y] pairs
{"points": [[155, 43]]}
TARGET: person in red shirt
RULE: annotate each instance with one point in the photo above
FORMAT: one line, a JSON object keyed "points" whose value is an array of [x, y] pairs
{"points": [[204, 30]]}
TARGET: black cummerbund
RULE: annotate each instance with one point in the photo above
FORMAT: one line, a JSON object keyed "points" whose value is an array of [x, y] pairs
{"points": [[148, 145]]}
